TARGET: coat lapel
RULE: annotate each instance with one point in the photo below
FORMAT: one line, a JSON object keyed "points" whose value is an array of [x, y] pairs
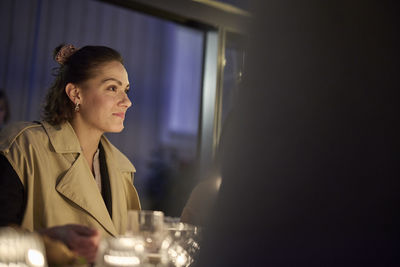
{"points": [[119, 208], [78, 183], [79, 186], [116, 165]]}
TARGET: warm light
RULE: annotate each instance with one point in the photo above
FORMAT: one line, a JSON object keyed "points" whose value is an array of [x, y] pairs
{"points": [[218, 182], [181, 260], [35, 257], [139, 248], [121, 260], [178, 255], [126, 243]]}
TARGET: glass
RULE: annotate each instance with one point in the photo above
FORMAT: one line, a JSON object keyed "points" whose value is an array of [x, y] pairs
{"points": [[121, 251], [149, 221], [152, 239], [149, 225], [21, 248], [184, 244]]}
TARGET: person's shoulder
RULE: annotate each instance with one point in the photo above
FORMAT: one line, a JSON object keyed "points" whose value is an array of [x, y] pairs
{"points": [[12, 131], [122, 161]]}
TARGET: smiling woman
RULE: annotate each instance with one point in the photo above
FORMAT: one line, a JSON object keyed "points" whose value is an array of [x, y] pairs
{"points": [[101, 101], [61, 176]]}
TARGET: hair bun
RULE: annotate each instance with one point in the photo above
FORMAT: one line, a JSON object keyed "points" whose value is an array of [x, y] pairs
{"points": [[64, 53]]}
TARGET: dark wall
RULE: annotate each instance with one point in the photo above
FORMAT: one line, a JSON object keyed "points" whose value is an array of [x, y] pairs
{"points": [[311, 156]]}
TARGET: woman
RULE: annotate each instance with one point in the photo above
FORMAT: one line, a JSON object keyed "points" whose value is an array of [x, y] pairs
{"points": [[62, 174]]}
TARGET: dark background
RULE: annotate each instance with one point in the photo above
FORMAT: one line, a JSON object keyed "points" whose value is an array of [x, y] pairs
{"points": [[311, 156]]}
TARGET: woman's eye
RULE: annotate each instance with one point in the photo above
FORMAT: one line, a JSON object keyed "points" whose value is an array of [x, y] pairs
{"points": [[113, 88], [126, 90]]}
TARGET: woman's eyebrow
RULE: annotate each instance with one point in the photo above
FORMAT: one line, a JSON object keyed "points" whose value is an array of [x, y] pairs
{"points": [[112, 79]]}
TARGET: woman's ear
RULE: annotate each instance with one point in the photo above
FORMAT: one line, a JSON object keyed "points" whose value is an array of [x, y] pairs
{"points": [[73, 92]]}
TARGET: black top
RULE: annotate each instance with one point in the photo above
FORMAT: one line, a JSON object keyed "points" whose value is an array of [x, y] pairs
{"points": [[13, 195]]}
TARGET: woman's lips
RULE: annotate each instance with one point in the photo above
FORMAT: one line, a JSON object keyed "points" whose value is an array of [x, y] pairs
{"points": [[120, 114]]}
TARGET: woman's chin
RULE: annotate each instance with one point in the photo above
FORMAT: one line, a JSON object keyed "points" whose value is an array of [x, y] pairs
{"points": [[117, 129]]}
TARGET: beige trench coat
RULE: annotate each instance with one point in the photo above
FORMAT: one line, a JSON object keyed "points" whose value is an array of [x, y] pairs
{"points": [[59, 183]]}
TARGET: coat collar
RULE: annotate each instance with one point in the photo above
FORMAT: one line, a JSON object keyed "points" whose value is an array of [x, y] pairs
{"points": [[62, 137], [115, 157], [64, 140]]}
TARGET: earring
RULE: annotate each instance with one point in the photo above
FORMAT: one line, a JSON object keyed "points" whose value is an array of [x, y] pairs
{"points": [[76, 106]]}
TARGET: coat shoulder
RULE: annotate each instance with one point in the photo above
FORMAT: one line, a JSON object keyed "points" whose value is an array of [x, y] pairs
{"points": [[9, 134]]}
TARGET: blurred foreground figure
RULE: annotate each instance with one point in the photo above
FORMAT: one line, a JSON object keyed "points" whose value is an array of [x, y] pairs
{"points": [[201, 201], [310, 165]]}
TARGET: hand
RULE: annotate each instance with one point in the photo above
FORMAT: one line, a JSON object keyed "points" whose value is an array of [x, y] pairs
{"points": [[82, 240]]}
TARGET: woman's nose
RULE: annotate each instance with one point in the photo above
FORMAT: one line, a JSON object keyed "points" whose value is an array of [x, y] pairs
{"points": [[126, 101]]}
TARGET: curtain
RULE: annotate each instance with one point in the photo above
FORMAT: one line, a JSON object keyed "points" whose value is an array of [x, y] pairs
{"points": [[165, 87]]}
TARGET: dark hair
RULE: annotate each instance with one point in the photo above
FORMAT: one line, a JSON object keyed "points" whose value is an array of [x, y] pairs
{"points": [[77, 68], [6, 105]]}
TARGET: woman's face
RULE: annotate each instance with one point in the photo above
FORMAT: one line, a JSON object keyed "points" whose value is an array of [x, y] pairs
{"points": [[104, 98]]}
